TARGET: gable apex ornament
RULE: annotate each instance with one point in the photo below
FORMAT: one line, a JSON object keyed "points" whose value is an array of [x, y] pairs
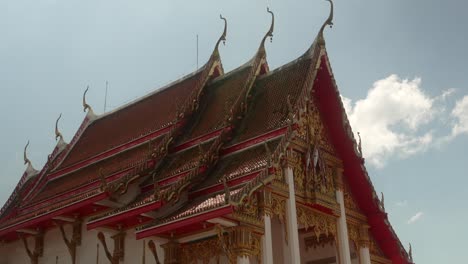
{"points": [[223, 36], [25, 156], [269, 34], [58, 135], [86, 106], [329, 21]]}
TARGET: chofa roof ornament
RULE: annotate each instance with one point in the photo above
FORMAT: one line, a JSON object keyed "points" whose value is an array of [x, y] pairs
{"points": [[25, 156], [85, 105], [329, 21], [270, 31], [223, 36], [58, 135], [30, 171]]}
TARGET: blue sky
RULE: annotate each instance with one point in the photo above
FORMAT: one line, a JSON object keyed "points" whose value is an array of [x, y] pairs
{"points": [[400, 66]]}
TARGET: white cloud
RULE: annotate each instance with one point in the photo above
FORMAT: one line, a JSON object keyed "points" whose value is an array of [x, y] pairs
{"points": [[415, 218], [390, 119], [403, 203], [460, 113]]}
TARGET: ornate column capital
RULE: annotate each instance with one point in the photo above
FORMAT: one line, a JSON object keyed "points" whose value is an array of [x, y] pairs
{"points": [[339, 178], [364, 240], [243, 242], [265, 202]]}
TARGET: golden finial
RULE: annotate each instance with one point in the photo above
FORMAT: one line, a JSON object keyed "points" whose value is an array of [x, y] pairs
{"points": [[57, 132], [329, 21], [85, 105], [410, 253], [26, 160], [270, 31], [223, 36]]}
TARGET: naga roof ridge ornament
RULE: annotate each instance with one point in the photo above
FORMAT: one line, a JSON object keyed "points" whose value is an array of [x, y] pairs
{"points": [[328, 22], [86, 106], [270, 31], [58, 135], [223, 36], [30, 170], [25, 156]]}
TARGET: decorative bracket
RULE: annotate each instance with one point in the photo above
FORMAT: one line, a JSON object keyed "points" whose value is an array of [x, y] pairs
{"points": [[75, 239], [119, 247], [152, 247], [38, 247]]}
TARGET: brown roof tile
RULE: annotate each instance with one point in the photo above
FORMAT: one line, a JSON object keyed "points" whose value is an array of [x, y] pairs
{"points": [[220, 97], [149, 114], [114, 164], [269, 110]]}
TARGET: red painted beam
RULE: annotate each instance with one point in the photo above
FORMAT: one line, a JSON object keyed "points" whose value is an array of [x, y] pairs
{"points": [[253, 141], [109, 153], [151, 231], [109, 220], [65, 210], [219, 186], [197, 140]]}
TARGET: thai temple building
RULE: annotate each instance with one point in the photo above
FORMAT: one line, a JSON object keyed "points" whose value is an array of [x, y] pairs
{"points": [[256, 165]]}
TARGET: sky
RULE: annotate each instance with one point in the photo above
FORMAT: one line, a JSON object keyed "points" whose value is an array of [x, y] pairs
{"points": [[400, 67]]}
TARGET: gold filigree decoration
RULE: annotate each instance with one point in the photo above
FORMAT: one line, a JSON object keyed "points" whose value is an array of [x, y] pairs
{"points": [[319, 223], [349, 202], [203, 251], [374, 248], [278, 208]]}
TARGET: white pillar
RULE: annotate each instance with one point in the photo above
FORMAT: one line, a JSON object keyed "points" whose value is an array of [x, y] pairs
{"points": [[364, 255], [343, 239], [293, 235], [267, 241], [243, 260]]}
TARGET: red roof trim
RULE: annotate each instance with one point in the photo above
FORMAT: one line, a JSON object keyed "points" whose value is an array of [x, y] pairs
{"points": [[254, 141], [79, 190], [359, 182], [218, 187], [49, 215], [197, 140], [188, 220], [111, 219], [111, 152]]}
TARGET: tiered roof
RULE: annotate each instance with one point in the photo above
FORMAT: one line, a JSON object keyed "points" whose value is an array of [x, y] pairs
{"points": [[193, 150]]}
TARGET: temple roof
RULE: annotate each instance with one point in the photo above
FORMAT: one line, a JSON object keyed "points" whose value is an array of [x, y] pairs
{"points": [[188, 146]]}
